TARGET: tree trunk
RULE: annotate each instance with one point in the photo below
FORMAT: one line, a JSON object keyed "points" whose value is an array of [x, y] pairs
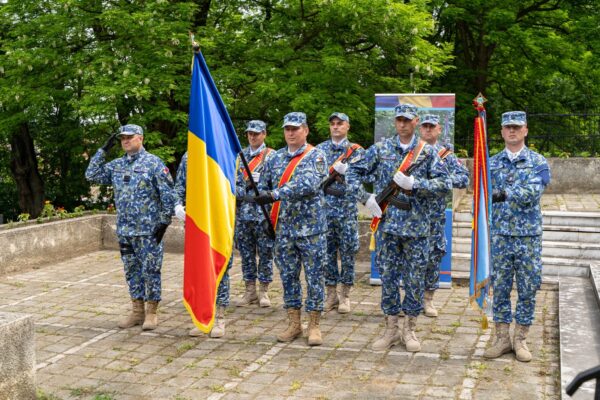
{"points": [[24, 167]]}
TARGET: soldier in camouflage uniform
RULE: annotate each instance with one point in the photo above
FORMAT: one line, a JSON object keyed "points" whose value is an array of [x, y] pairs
{"points": [[519, 177], [291, 180], [218, 329], [342, 214], [144, 200], [251, 237], [402, 243], [430, 130]]}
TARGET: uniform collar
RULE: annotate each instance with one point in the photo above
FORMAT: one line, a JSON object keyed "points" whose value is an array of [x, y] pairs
{"points": [[403, 147], [341, 145], [133, 157], [518, 156], [299, 151], [255, 152]]}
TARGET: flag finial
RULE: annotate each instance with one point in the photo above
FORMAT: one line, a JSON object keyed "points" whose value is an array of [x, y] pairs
{"points": [[479, 100]]}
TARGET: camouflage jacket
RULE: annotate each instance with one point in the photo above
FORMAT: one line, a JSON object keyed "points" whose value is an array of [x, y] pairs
{"points": [[302, 207], [431, 179], [524, 180], [345, 205], [143, 188]]}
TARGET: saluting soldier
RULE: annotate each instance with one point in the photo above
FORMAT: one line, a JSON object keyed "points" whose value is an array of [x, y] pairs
{"points": [[144, 199], [342, 214], [291, 180], [222, 301], [250, 233], [430, 130], [402, 243], [519, 177]]}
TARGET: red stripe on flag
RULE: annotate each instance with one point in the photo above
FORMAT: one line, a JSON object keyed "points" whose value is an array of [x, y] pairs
{"points": [[202, 274]]}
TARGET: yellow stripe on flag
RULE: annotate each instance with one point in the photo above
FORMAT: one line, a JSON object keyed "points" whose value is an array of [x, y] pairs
{"points": [[210, 202]]}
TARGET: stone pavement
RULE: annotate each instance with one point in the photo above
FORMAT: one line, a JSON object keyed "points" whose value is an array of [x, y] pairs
{"points": [[82, 355]]}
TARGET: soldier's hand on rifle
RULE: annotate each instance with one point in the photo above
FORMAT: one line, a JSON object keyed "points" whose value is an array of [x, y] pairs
{"points": [[180, 212], [498, 196], [255, 176], [264, 198], [247, 198], [373, 207], [405, 182], [340, 167], [160, 232], [109, 143]]}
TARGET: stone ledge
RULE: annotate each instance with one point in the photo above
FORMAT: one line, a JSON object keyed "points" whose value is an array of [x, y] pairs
{"points": [[17, 358]]}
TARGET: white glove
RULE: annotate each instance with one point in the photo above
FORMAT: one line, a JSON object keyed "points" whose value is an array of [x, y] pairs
{"points": [[340, 167], [405, 182], [256, 177], [180, 212], [373, 207]]}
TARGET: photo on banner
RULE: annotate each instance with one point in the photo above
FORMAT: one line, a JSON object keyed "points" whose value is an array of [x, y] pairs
{"points": [[442, 105]]}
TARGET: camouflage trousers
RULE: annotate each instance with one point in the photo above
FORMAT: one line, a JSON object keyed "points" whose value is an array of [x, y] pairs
{"points": [[521, 257], [223, 289], [405, 258], [290, 255], [142, 260], [437, 251], [342, 237], [251, 239]]}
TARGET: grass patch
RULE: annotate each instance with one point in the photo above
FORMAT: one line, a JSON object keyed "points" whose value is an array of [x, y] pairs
{"points": [[295, 386], [41, 395], [81, 391], [217, 388], [184, 347]]}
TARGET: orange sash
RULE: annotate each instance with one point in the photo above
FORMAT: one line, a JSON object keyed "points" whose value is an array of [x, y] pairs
{"points": [[285, 178], [444, 152], [255, 162], [346, 155], [408, 160]]}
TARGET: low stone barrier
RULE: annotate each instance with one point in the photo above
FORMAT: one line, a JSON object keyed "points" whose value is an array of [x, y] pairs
{"points": [[17, 357], [33, 245]]}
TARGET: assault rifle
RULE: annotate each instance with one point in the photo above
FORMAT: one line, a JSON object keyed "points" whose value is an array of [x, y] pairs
{"points": [[335, 176], [388, 195]]}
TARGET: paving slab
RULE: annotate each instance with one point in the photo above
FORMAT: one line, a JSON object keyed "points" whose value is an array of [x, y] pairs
{"points": [[82, 355]]}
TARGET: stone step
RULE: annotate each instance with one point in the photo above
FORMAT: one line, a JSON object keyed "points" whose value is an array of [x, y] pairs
{"points": [[579, 317], [553, 218], [573, 250], [551, 266], [552, 233]]}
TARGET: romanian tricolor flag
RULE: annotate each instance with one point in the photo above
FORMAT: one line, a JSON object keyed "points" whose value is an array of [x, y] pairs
{"points": [[210, 196], [479, 288]]}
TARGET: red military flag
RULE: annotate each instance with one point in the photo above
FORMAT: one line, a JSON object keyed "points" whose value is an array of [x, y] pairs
{"points": [[479, 285]]}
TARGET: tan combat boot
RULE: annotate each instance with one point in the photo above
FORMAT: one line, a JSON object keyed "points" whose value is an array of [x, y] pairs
{"points": [[250, 296], [136, 317], [409, 338], [391, 335], [344, 306], [501, 342], [519, 345], [331, 298], [263, 295], [430, 310], [151, 321], [195, 332], [218, 329], [314, 331], [294, 328]]}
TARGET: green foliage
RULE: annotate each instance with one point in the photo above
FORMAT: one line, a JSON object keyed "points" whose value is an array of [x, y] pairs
{"points": [[73, 71]]}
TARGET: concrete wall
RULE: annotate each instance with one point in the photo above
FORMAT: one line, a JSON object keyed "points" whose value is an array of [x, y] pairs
{"points": [[569, 175], [17, 357], [34, 245]]}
